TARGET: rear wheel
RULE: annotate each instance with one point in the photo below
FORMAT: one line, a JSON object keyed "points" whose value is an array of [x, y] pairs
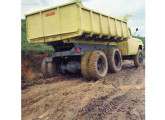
{"points": [[85, 65], [51, 68], [114, 59], [44, 68], [98, 66], [48, 68], [138, 59]]}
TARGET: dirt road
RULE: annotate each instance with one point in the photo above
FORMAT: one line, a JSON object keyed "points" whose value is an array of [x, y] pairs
{"points": [[119, 96]]}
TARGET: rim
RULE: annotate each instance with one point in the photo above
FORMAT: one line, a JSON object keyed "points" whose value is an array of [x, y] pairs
{"points": [[117, 59], [141, 58], [101, 65]]}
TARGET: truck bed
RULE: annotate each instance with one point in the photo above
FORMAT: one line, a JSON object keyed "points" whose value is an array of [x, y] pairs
{"points": [[71, 21]]}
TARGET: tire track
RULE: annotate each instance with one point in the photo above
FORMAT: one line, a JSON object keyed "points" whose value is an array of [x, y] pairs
{"points": [[117, 96]]}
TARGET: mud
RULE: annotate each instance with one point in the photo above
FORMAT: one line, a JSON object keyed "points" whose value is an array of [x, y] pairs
{"points": [[119, 96]]}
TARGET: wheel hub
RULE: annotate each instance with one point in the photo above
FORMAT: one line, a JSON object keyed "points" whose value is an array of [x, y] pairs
{"points": [[117, 60], [140, 58], [101, 65]]}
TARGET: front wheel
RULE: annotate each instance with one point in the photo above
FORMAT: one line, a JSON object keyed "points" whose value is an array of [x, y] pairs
{"points": [[138, 59]]}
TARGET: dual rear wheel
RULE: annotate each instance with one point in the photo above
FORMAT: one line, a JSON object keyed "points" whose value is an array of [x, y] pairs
{"points": [[48, 68], [96, 64], [114, 59]]}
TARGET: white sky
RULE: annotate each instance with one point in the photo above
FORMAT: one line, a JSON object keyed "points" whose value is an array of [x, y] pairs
{"points": [[114, 8]]}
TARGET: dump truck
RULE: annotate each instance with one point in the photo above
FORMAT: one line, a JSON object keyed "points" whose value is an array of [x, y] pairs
{"points": [[83, 40]]}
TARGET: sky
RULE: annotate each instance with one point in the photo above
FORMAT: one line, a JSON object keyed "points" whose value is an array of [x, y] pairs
{"points": [[114, 8]]}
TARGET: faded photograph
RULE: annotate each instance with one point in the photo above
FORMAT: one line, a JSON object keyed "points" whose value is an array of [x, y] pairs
{"points": [[83, 60]]}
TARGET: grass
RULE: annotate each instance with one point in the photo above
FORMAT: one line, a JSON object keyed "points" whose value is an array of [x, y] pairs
{"points": [[27, 48]]}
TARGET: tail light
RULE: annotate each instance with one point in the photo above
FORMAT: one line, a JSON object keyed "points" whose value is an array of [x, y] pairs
{"points": [[46, 54], [77, 50]]}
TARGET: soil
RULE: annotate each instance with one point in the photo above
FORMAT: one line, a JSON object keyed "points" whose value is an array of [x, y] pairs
{"points": [[118, 96]]}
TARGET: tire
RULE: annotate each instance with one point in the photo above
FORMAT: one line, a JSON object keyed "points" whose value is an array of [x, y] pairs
{"points": [[114, 60], [98, 66], [51, 68], [48, 69], [85, 65], [138, 59], [44, 68]]}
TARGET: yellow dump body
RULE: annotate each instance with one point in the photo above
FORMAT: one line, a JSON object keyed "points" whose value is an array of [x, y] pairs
{"points": [[68, 21]]}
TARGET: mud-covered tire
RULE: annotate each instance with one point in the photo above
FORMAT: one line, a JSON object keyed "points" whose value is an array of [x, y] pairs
{"points": [[85, 65], [51, 69], [114, 59], [98, 66], [44, 68], [48, 69], [105, 51], [138, 59]]}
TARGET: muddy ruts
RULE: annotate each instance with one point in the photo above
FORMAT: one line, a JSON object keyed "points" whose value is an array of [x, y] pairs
{"points": [[97, 109]]}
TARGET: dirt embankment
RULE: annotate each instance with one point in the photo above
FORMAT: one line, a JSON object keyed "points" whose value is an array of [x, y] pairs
{"points": [[30, 69], [119, 96]]}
